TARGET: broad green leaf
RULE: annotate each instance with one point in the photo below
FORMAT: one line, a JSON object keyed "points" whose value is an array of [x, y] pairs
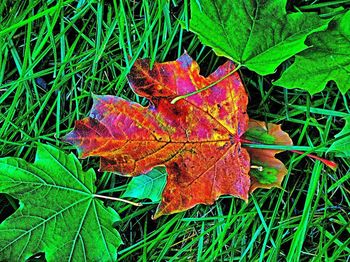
{"points": [[341, 147], [258, 34], [327, 59], [58, 214], [148, 185]]}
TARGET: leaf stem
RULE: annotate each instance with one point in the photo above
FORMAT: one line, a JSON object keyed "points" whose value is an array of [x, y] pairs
{"points": [[328, 163], [118, 199], [284, 147], [206, 87], [300, 150], [259, 168]]}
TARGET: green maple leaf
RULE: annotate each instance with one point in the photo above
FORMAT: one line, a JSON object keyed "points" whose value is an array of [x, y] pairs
{"points": [[148, 185], [327, 59], [341, 147], [257, 34], [58, 214]]}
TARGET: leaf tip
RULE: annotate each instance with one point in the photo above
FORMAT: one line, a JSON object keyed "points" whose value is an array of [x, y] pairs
{"points": [[330, 164]]}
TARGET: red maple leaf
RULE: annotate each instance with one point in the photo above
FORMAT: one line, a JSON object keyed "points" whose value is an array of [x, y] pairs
{"points": [[197, 139]]}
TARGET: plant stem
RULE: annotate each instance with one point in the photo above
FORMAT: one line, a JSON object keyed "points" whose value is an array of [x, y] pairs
{"points": [[284, 147], [328, 163], [300, 150], [118, 199], [206, 87]]}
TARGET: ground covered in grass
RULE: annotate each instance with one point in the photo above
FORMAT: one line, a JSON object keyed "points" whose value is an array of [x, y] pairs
{"points": [[55, 54]]}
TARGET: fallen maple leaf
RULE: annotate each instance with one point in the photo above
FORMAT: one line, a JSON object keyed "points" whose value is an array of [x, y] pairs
{"points": [[327, 59], [259, 35], [272, 170], [197, 139], [59, 213]]}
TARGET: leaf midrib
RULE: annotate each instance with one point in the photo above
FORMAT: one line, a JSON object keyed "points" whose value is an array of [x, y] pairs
{"points": [[277, 45], [250, 32], [54, 158], [160, 141], [54, 186], [46, 221], [100, 227], [79, 230]]}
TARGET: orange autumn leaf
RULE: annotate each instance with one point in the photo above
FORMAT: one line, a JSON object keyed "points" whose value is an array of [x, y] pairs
{"points": [[197, 138], [272, 170]]}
